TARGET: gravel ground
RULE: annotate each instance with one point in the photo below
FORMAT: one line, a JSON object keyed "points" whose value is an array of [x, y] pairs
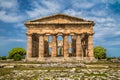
{"points": [[63, 74]]}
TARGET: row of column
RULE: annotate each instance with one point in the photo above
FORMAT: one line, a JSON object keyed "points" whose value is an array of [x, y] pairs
{"points": [[79, 46], [76, 49]]}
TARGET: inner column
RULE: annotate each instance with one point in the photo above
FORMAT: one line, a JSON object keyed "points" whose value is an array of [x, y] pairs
{"points": [[54, 49], [41, 46], [85, 45], [66, 46], [74, 45], [79, 52], [46, 45]]}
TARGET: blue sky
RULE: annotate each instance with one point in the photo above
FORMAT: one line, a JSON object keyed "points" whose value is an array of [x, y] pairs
{"points": [[105, 13]]}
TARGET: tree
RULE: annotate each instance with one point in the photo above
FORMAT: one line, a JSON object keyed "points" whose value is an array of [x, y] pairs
{"points": [[99, 52], [17, 57], [3, 58], [17, 53]]}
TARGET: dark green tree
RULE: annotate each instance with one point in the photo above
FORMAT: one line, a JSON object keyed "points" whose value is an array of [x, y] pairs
{"points": [[99, 52], [17, 57], [3, 58], [17, 53]]}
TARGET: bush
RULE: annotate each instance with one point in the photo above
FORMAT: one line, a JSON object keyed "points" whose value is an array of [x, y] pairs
{"points": [[17, 57], [99, 52], [17, 53], [108, 58], [3, 58]]}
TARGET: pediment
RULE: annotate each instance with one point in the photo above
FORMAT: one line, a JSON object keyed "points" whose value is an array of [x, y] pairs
{"points": [[59, 18]]}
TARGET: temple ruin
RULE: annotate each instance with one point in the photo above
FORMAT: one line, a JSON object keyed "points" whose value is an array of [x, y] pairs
{"points": [[59, 38]]}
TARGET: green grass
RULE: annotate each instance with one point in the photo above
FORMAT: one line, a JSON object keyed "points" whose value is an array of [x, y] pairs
{"points": [[95, 75], [4, 71]]}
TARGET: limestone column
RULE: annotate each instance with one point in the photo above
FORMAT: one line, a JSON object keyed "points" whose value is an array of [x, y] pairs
{"points": [[66, 46], [90, 46], [29, 46], [46, 45], [54, 46], [73, 45], [79, 51], [41, 46]]}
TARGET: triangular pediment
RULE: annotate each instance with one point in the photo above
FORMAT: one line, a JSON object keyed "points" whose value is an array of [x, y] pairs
{"points": [[59, 18]]}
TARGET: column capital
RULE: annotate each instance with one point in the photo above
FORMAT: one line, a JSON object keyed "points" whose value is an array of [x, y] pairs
{"points": [[53, 34], [47, 34], [41, 34], [59, 34], [90, 34], [46, 37], [29, 34], [72, 34]]}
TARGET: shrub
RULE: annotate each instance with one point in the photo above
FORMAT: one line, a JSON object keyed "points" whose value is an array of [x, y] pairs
{"points": [[108, 58], [17, 57], [99, 52], [3, 58], [17, 52]]}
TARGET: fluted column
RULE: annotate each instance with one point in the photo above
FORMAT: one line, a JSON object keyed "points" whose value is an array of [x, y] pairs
{"points": [[90, 46], [79, 51], [73, 45], [66, 46], [29, 46], [54, 49], [46, 45], [41, 46]]}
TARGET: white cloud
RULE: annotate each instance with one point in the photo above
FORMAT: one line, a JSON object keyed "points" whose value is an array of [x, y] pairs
{"points": [[47, 7], [20, 26], [82, 4], [106, 31], [12, 17], [105, 26], [16, 40], [117, 32], [72, 12], [97, 12], [101, 19], [10, 11], [7, 39], [7, 4], [7, 42]]}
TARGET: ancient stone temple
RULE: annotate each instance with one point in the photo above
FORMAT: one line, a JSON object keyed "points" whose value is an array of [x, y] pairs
{"points": [[75, 42]]}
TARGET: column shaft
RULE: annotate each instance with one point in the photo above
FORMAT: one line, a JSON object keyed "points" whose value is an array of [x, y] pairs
{"points": [[66, 46], [29, 46], [90, 46], [46, 45], [54, 49], [41, 46], [73, 45], [79, 51]]}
